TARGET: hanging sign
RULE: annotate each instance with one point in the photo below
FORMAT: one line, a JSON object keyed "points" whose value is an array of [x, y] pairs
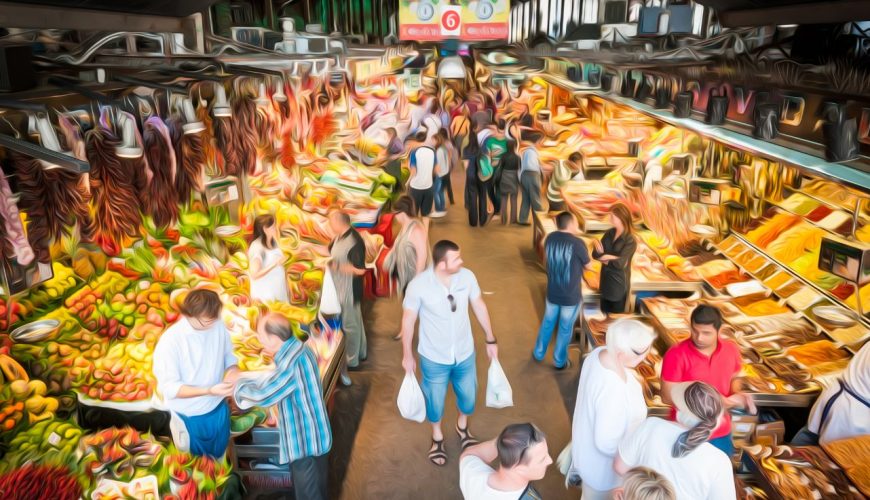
{"points": [[436, 20]]}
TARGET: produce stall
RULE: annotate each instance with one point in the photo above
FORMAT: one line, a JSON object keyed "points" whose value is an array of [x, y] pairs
{"points": [[79, 404]]}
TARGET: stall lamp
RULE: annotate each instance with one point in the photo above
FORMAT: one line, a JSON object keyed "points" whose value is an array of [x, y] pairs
{"points": [[221, 106], [129, 147], [279, 95], [192, 126], [262, 100]]}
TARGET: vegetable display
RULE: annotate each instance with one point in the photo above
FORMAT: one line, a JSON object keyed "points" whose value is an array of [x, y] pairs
{"points": [[38, 482]]}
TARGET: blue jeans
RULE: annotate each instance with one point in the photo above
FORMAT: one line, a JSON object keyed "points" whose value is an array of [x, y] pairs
{"points": [[566, 316], [463, 376], [725, 444], [440, 201]]}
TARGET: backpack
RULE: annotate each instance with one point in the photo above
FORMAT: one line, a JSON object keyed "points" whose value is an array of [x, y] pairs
{"points": [[484, 167]]}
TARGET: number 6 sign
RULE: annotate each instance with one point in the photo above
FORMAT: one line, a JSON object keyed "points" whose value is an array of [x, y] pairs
{"points": [[451, 20]]}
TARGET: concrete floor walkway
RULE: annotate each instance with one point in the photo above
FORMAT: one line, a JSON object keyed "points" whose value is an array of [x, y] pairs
{"points": [[379, 455]]}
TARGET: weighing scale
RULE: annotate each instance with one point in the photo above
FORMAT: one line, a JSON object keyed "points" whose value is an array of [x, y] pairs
{"points": [[847, 259]]}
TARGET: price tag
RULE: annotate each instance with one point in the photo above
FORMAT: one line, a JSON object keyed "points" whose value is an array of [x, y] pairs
{"points": [[54, 439]]}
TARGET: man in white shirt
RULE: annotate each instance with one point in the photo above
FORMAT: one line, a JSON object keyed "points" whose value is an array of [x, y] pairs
{"points": [[195, 370], [440, 297], [843, 409], [523, 457], [421, 183]]}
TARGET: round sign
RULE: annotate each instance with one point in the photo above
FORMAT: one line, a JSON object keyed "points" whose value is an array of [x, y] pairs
{"points": [[450, 20], [425, 11]]}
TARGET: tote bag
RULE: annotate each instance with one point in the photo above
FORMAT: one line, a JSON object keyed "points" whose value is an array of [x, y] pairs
{"points": [[412, 404]]}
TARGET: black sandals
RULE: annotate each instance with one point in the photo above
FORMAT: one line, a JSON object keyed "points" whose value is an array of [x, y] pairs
{"points": [[437, 455], [465, 438]]}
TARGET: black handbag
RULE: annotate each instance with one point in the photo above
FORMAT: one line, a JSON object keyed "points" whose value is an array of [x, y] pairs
{"points": [[717, 107], [841, 134], [663, 98], [594, 77], [765, 117], [683, 104]]}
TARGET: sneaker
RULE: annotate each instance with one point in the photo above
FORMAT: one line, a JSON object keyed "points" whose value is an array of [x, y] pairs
{"points": [[437, 215], [567, 365]]}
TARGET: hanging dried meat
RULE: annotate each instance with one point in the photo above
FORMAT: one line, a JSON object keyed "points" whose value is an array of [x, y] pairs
{"points": [[161, 203], [246, 131], [52, 199], [115, 203], [190, 158], [213, 167], [13, 241]]}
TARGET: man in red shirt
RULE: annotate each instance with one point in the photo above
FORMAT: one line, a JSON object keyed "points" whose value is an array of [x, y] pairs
{"points": [[705, 357]]}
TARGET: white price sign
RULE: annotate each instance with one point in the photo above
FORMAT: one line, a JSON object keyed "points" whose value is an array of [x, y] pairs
{"points": [[451, 20]]}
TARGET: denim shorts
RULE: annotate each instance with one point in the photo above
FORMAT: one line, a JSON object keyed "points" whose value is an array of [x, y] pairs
{"points": [[436, 377]]}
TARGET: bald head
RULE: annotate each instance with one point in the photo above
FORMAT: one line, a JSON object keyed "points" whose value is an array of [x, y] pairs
{"points": [[276, 325]]}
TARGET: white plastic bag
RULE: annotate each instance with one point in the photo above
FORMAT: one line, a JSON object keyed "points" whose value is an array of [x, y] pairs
{"points": [[329, 303], [412, 404], [564, 460], [498, 391]]}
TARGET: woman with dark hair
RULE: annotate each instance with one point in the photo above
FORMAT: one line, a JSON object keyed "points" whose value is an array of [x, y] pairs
{"points": [[475, 188], [679, 450], [615, 252], [509, 183], [265, 258]]}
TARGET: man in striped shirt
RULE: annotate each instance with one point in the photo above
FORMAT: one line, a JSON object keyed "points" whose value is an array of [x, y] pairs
{"points": [[294, 385]]}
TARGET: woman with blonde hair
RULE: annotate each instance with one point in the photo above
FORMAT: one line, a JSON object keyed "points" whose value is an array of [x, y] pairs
{"points": [[266, 262], [679, 450], [642, 483]]}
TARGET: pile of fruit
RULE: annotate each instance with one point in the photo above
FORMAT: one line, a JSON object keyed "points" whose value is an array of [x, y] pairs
{"points": [[63, 281], [120, 455], [50, 442], [33, 395], [16, 314], [122, 375], [144, 303], [194, 478], [38, 482], [83, 303]]}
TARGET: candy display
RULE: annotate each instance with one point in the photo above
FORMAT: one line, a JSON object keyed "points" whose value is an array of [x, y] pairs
{"points": [[853, 455], [802, 472]]}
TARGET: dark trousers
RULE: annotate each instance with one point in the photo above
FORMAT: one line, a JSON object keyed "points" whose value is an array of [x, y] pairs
{"points": [[448, 186], [530, 184], [310, 477], [475, 196], [494, 194]]}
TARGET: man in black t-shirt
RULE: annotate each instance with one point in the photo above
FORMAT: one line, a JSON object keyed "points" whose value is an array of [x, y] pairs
{"points": [[566, 257]]}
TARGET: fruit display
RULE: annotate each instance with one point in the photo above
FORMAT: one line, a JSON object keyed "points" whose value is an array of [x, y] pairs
{"points": [[120, 454], [194, 478], [59, 286], [142, 303], [83, 302], [39, 482], [50, 442], [33, 395], [802, 472], [122, 375], [10, 317]]}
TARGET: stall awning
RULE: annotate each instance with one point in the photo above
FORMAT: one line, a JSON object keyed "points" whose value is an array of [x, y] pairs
{"points": [[164, 8]]}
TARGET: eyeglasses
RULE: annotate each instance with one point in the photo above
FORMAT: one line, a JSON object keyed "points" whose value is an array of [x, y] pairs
{"points": [[452, 302]]}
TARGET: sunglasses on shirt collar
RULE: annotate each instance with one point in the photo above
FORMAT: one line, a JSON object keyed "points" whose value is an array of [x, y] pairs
{"points": [[452, 302]]}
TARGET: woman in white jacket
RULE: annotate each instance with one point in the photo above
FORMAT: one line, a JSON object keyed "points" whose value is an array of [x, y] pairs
{"points": [[609, 405]]}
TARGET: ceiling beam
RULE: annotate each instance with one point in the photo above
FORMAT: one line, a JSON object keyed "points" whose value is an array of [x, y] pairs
{"points": [[808, 13]]}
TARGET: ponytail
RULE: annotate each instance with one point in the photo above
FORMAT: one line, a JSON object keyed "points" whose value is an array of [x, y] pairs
{"points": [[692, 438], [704, 404]]}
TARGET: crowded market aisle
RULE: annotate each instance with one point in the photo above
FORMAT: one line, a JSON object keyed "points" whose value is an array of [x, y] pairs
{"points": [[377, 453]]}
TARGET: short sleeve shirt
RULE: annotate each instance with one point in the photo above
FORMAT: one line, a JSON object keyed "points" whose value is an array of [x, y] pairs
{"points": [[566, 258], [684, 363], [445, 334], [473, 481]]}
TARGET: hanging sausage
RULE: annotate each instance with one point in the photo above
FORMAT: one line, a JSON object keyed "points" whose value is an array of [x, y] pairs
{"points": [[162, 200]]}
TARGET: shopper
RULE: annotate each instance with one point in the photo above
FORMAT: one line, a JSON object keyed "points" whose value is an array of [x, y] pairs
{"points": [[347, 254], [530, 182], [706, 357], [562, 174], [523, 457], [565, 257], [454, 160], [679, 450], [305, 436], [422, 163], [395, 151], [432, 121], [195, 370], [410, 253], [843, 409], [615, 251], [476, 183], [442, 171], [440, 297], [509, 183], [494, 148], [642, 483], [266, 263], [609, 405]]}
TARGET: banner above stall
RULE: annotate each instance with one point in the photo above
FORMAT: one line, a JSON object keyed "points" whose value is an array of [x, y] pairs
{"points": [[434, 20]]}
